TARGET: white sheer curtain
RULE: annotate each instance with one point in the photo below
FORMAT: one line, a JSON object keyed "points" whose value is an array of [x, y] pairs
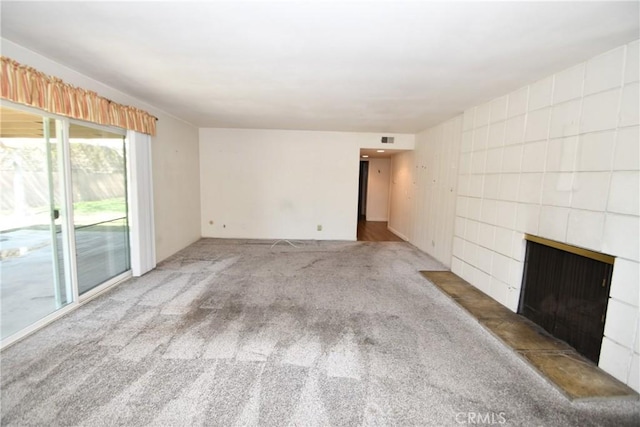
{"points": [[143, 248]]}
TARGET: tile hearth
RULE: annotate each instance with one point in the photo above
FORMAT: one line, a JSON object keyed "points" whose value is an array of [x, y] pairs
{"points": [[561, 365]]}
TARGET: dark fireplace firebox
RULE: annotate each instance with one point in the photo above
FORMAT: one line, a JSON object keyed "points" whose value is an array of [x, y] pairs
{"points": [[565, 291]]}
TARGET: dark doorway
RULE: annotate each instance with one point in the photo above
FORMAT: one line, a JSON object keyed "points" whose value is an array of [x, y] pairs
{"points": [[567, 293], [362, 190]]}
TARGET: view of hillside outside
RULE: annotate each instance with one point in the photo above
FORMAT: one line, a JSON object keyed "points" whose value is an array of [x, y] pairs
{"points": [[98, 186], [33, 283]]}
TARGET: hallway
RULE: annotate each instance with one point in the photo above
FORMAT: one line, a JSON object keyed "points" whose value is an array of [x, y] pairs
{"points": [[375, 231]]}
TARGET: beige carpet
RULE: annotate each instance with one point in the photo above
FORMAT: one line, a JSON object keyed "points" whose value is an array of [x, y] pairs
{"points": [[239, 333]]}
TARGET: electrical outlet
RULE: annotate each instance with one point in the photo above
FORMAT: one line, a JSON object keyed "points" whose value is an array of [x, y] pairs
{"points": [[319, 228]]}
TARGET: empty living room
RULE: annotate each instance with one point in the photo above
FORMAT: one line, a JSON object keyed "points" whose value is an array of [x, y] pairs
{"points": [[319, 213]]}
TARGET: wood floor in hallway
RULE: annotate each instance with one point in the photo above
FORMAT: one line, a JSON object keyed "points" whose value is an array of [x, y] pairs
{"points": [[376, 231]]}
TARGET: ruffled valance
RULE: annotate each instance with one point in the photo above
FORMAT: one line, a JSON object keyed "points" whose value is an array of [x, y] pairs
{"points": [[28, 86]]}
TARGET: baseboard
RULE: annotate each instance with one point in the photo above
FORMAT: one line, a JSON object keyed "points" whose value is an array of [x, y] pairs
{"points": [[397, 233]]}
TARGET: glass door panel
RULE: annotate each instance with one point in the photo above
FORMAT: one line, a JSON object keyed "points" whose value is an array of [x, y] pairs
{"points": [[100, 212], [32, 280]]}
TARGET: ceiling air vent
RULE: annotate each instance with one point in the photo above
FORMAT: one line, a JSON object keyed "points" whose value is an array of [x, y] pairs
{"points": [[387, 140]]}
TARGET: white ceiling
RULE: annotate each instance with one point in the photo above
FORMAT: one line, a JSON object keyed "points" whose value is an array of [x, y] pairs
{"points": [[374, 154], [342, 66]]}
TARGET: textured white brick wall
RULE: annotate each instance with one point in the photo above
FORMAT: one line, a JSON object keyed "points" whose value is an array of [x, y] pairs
{"points": [[560, 159]]}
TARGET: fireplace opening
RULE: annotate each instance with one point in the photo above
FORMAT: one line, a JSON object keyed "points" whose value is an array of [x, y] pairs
{"points": [[565, 290]]}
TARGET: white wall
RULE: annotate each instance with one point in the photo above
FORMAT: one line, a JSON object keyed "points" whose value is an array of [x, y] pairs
{"points": [[174, 155], [423, 190], [401, 213], [558, 159], [436, 175], [281, 184], [378, 190], [176, 186]]}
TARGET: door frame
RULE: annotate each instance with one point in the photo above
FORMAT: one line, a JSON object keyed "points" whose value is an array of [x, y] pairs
{"points": [[68, 231], [363, 182]]}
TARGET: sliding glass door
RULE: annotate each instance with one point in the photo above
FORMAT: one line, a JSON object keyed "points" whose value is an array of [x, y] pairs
{"points": [[100, 213], [32, 280], [64, 227]]}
